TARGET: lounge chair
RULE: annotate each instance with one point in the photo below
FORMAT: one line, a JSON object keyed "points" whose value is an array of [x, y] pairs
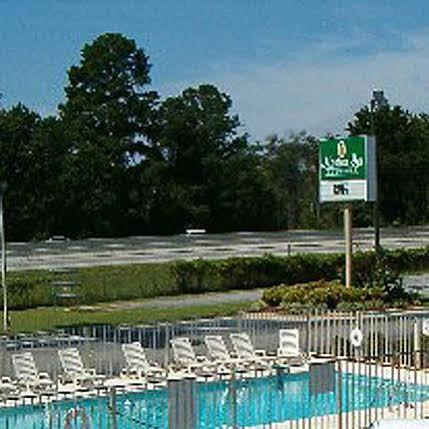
{"points": [[219, 353], [75, 371], [138, 365], [28, 375], [289, 347], [245, 351], [217, 348], [185, 358]]}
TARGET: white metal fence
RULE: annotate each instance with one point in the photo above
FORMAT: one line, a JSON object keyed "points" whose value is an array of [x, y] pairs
{"points": [[386, 376]]}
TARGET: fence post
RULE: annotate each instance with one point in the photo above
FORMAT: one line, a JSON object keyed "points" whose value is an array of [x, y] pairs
{"points": [[308, 325], [232, 393], [167, 345], [182, 407], [340, 394], [417, 346], [112, 407]]}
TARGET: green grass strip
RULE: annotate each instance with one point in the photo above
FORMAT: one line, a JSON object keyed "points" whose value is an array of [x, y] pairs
{"points": [[47, 319]]}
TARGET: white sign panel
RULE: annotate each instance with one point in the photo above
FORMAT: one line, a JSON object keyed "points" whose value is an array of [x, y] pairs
{"points": [[343, 190]]}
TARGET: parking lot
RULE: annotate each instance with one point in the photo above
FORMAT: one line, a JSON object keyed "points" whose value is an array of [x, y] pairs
{"points": [[131, 250]]}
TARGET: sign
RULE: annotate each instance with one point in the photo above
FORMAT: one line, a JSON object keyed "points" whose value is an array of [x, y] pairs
{"points": [[347, 169], [322, 378]]}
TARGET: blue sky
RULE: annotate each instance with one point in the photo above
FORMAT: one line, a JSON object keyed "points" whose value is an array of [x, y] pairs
{"points": [[287, 64]]}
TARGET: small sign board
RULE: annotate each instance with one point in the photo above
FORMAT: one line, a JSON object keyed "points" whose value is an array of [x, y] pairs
{"points": [[347, 169], [425, 328], [322, 378]]}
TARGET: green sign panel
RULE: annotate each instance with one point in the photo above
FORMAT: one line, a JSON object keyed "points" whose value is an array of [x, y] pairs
{"points": [[347, 169], [343, 159]]}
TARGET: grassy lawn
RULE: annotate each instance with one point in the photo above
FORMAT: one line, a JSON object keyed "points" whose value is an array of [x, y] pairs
{"points": [[49, 318], [95, 284]]}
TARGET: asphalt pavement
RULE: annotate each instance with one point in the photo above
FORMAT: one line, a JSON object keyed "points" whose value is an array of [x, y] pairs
{"points": [[53, 254]]}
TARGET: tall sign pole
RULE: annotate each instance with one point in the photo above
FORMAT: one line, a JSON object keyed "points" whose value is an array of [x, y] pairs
{"points": [[378, 101], [347, 173], [3, 264], [348, 236]]}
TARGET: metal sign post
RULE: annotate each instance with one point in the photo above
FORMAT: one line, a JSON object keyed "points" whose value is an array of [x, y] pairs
{"points": [[348, 235], [3, 265], [347, 172]]}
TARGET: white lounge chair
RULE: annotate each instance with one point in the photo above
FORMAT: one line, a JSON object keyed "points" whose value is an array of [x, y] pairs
{"points": [[289, 346], [185, 358], [75, 371], [217, 348], [245, 351], [28, 375], [137, 363], [7, 386], [220, 354]]}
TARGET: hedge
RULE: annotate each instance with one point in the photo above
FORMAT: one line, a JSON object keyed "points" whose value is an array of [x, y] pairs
{"points": [[127, 282], [264, 271], [333, 296]]}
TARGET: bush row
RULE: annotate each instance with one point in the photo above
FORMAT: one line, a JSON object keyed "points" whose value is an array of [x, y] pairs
{"points": [[265, 271], [333, 296], [103, 284]]}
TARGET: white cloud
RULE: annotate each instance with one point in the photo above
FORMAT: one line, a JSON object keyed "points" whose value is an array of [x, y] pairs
{"points": [[321, 90]]}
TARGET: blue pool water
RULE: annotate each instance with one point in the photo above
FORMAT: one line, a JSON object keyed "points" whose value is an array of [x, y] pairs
{"points": [[257, 401]]}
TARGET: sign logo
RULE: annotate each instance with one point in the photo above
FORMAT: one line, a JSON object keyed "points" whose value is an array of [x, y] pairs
{"points": [[341, 149]]}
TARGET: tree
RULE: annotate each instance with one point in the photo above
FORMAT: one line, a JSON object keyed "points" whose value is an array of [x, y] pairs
{"points": [[197, 135], [403, 161], [17, 126], [33, 150], [291, 165], [108, 118]]}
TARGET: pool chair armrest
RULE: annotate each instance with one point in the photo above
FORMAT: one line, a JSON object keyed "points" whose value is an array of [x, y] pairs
{"points": [[173, 367], [156, 369], [91, 372], [130, 371], [44, 376], [153, 363]]}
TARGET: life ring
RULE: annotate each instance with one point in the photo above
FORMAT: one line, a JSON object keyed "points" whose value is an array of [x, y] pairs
{"points": [[356, 337]]}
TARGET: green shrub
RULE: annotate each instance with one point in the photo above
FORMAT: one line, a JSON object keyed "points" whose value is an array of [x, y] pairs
{"points": [[255, 272], [29, 289], [331, 296]]}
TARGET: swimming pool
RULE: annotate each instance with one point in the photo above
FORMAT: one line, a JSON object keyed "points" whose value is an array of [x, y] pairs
{"points": [[246, 402]]}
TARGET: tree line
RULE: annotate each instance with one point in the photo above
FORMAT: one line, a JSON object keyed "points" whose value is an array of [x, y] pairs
{"points": [[119, 160]]}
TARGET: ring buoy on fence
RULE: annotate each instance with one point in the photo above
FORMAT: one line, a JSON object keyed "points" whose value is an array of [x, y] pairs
{"points": [[356, 337], [425, 327]]}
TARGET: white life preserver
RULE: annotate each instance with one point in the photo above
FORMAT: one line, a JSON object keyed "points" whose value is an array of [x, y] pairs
{"points": [[356, 337], [425, 327]]}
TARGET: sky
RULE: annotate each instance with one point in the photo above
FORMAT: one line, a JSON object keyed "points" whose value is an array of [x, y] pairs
{"points": [[288, 65]]}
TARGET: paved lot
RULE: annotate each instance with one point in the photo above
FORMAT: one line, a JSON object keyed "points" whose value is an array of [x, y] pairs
{"points": [[131, 250]]}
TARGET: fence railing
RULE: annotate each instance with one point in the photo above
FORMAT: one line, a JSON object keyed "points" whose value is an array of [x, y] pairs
{"points": [[342, 385]]}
